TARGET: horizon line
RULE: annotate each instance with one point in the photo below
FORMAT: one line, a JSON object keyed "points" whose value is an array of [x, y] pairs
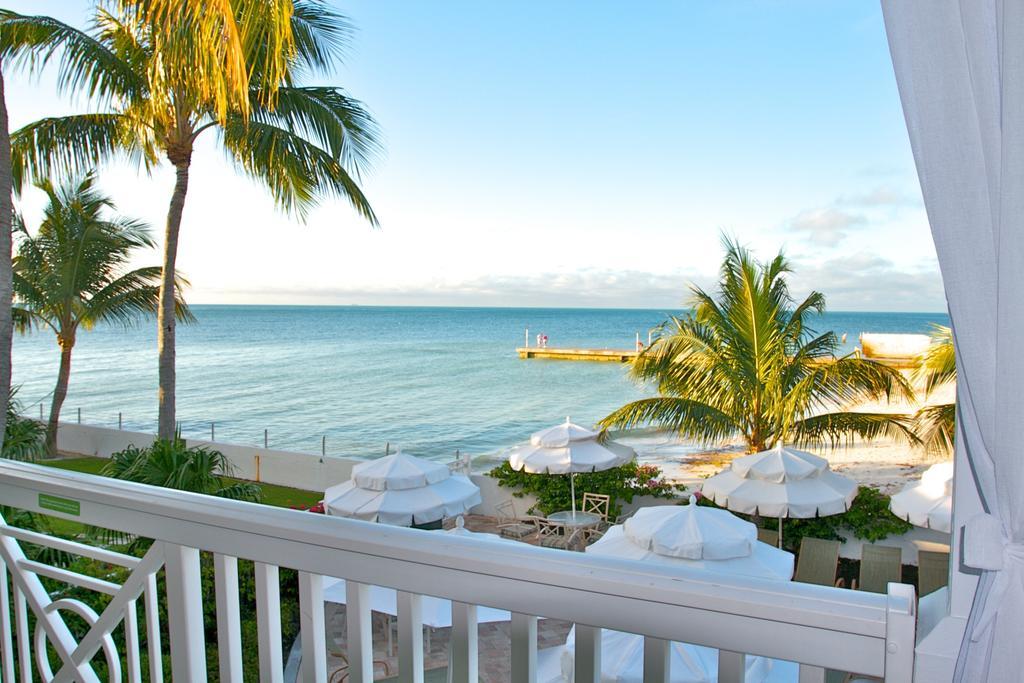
{"points": [[479, 307]]}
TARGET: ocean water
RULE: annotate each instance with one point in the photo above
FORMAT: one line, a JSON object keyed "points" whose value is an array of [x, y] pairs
{"points": [[431, 380]]}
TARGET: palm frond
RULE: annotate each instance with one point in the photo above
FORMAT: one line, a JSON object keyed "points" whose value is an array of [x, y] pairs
{"points": [[86, 64], [295, 171], [937, 365], [67, 146], [334, 121], [687, 418], [936, 427], [322, 36], [841, 427]]}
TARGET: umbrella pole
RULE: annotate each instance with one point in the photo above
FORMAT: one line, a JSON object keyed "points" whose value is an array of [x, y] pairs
{"points": [[780, 532], [572, 492]]}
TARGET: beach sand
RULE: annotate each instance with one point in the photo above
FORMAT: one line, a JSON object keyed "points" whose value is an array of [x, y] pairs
{"points": [[882, 463]]}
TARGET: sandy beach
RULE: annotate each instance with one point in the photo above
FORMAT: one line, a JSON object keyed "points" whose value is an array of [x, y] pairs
{"points": [[885, 464]]}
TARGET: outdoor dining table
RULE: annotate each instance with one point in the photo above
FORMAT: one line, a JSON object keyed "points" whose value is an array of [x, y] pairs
{"points": [[575, 519]]}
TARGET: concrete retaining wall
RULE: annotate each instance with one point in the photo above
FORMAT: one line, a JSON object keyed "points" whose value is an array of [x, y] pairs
{"points": [[285, 468], [315, 473]]}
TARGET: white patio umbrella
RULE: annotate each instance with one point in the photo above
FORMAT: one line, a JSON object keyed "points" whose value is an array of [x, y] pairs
{"points": [[437, 612], [928, 502], [402, 489], [781, 482], [693, 537], [567, 449]]}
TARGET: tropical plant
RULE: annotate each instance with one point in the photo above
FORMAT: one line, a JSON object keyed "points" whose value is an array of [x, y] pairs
{"points": [[139, 66], [745, 362], [868, 518], [72, 274], [553, 492], [170, 463], [936, 424], [23, 437]]}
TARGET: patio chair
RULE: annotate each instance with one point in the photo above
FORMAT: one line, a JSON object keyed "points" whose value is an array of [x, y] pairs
{"points": [[879, 565], [555, 535], [511, 526], [769, 536], [621, 519], [932, 571], [818, 562], [598, 503]]}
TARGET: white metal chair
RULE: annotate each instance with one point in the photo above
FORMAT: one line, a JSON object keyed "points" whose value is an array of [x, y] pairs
{"points": [[511, 526]]}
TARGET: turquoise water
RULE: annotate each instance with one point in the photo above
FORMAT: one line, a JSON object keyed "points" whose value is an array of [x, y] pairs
{"points": [[430, 379]]}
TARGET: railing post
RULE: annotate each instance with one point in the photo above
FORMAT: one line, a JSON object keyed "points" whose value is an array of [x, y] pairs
{"points": [[731, 667], [6, 640], [464, 651], [229, 628], [79, 416], [156, 660], [410, 637], [24, 642], [588, 654], [213, 433], [185, 613], [656, 660], [312, 629], [524, 648], [323, 445], [119, 421], [811, 674], [268, 622], [266, 440], [900, 625], [359, 632], [133, 660]]}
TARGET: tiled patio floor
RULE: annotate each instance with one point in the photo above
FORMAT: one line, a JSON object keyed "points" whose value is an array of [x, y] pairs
{"points": [[494, 640]]}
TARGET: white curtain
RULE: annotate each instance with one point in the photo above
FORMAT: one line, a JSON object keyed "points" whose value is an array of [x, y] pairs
{"points": [[960, 69]]}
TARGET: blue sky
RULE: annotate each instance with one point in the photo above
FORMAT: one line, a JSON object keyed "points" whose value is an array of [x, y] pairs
{"points": [[576, 153]]}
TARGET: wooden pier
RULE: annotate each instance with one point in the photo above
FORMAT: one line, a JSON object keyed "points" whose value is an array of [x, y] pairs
{"points": [[605, 355]]}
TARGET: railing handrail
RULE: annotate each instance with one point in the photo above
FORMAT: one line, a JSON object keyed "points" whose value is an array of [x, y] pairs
{"points": [[812, 624]]}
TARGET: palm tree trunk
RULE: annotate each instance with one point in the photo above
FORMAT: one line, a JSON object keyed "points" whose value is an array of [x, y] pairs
{"points": [[165, 315], [6, 287], [60, 392]]}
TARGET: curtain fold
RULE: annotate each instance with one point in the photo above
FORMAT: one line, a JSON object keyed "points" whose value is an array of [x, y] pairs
{"points": [[960, 70]]}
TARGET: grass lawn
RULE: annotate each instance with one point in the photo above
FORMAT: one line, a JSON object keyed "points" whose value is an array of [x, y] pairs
{"points": [[278, 496]]}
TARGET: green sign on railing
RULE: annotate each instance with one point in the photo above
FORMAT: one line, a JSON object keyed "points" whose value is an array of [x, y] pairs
{"points": [[58, 504]]}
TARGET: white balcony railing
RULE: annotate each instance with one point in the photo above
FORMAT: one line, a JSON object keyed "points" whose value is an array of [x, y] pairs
{"points": [[816, 626]]}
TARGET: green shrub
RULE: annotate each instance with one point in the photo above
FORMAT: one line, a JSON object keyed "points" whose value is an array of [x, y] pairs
{"points": [[553, 491], [868, 518]]}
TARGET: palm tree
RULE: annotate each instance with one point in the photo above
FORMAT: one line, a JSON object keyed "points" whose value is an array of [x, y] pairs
{"points": [[171, 464], [217, 53], [746, 363], [304, 143], [72, 274], [937, 366]]}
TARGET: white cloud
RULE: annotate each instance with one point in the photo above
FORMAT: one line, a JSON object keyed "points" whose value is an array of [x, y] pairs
{"points": [[867, 282], [880, 197], [827, 226]]}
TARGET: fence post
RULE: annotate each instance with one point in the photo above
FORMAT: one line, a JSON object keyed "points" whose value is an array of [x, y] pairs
{"points": [[213, 433], [265, 439], [40, 411], [79, 416], [323, 445]]}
